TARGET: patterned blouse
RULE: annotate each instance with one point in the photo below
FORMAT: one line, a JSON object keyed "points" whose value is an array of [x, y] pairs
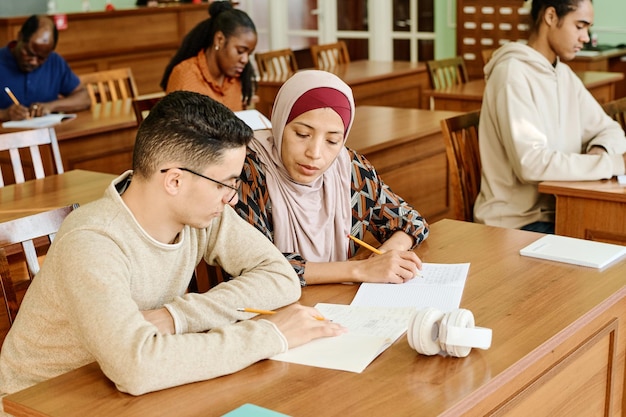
{"points": [[374, 207]]}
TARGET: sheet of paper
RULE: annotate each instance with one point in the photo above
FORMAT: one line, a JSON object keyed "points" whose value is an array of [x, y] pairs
{"points": [[38, 122], [371, 330], [254, 119], [441, 286]]}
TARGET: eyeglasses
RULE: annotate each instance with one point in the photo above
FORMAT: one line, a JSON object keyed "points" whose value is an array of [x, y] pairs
{"points": [[235, 188]]}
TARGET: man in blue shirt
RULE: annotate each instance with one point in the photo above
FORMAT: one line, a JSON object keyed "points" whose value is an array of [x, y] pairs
{"points": [[40, 79]]}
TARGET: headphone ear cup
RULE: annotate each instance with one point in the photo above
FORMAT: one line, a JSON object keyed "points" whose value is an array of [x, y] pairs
{"points": [[423, 331], [456, 318]]}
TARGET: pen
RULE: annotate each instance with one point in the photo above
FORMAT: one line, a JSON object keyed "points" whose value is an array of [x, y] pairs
{"points": [[373, 249], [13, 98], [259, 311]]}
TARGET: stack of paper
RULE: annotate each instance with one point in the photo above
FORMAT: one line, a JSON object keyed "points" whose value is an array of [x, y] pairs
{"points": [[378, 316]]}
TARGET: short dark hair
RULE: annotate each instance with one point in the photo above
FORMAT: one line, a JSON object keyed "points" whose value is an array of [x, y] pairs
{"points": [[226, 19], [32, 25], [562, 8], [187, 128]]}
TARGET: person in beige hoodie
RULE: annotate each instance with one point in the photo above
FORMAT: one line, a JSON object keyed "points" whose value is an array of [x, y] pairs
{"points": [[116, 260], [538, 122]]}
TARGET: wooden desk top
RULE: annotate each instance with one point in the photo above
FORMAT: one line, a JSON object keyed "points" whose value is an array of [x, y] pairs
{"points": [[365, 71], [380, 127], [608, 54], [608, 190], [101, 118], [532, 306], [474, 89], [108, 117], [77, 186]]}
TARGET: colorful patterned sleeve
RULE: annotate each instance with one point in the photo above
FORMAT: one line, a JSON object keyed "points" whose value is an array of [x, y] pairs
{"points": [[376, 208], [254, 206]]}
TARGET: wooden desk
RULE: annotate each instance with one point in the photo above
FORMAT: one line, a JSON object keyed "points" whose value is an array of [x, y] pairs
{"points": [[558, 348], [469, 96], [395, 83], [100, 139], [594, 210], [406, 147], [77, 186], [600, 61]]}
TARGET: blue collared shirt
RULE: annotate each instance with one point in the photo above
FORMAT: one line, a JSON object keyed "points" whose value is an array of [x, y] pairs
{"points": [[44, 84]]}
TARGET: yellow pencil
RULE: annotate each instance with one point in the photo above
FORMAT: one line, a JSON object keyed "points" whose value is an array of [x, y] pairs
{"points": [[373, 249], [259, 311], [10, 93], [365, 245], [255, 310]]}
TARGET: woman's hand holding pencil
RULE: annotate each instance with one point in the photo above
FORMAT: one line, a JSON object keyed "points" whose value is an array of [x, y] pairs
{"points": [[389, 266]]}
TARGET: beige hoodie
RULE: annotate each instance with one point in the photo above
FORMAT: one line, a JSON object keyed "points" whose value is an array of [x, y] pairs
{"points": [[536, 123]]}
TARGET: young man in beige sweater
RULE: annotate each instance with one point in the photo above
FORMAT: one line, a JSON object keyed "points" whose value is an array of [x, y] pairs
{"points": [[133, 251]]}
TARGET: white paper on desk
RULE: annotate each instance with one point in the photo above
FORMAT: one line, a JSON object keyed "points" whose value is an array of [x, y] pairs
{"points": [[38, 122], [254, 119], [371, 330], [441, 286]]}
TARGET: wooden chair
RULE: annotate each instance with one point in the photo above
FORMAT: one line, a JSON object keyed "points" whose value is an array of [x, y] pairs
{"points": [[486, 55], [329, 55], [276, 65], [143, 104], [110, 85], [460, 135], [18, 237], [446, 72], [617, 110], [31, 139]]}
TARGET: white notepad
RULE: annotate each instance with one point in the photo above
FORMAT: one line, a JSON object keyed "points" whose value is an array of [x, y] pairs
{"points": [[39, 122], [574, 251], [254, 119]]}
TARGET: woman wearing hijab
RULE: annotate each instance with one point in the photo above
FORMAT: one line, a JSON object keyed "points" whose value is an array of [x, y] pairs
{"points": [[306, 191]]}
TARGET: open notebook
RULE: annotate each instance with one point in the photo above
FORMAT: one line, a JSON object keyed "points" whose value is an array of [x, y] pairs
{"points": [[39, 122], [574, 251]]}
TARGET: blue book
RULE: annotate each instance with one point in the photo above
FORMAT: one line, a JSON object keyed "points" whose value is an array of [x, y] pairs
{"points": [[251, 410]]}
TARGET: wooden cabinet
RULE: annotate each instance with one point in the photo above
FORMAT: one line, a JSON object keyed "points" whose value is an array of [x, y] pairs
{"points": [[143, 38]]}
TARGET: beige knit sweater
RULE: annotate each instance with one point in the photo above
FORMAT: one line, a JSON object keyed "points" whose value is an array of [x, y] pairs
{"points": [[102, 269]]}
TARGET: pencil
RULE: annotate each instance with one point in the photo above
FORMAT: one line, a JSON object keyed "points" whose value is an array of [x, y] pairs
{"points": [[10, 93], [259, 311], [255, 310], [373, 249], [365, 245]]}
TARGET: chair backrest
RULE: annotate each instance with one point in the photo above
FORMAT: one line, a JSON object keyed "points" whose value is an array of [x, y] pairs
{"points": [[276, 65], [460, 135], [329, 55], [24, 236], [486, 55], [110, 85], [30, 139], [143, 104], [446, 72], [617, 110]]}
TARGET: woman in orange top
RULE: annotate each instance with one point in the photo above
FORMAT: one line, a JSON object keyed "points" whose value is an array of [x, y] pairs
{"points": [[214, 58]]}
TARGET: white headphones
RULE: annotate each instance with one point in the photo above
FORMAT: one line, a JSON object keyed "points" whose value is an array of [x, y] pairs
{"points": [[432, 331]]}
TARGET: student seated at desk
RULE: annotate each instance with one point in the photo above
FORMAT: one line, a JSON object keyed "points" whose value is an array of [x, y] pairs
{"points": [[135, 249], [306, 191], [539, 123], [39, 78], [214, 58]]}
